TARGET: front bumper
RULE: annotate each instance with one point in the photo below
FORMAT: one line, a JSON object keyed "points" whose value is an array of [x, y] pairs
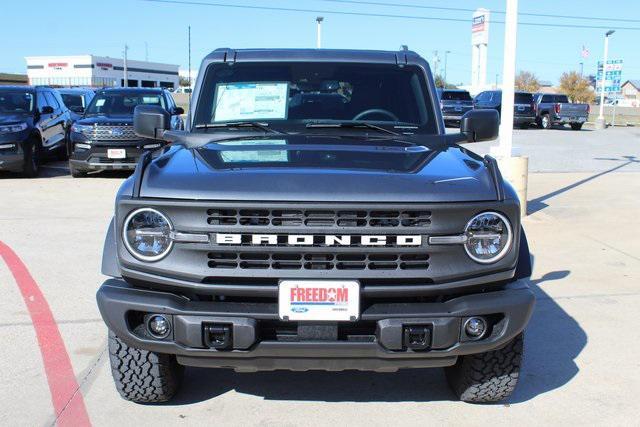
{"points": [[96, 157], [379, 345], [12, 159]]}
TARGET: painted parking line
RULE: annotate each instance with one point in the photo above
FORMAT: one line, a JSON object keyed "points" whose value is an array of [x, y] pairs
{"points": [[66, 397]]}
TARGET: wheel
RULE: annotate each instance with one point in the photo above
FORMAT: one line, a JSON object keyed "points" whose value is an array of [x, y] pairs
{"points": [[31, 166], [576, 126], [487, 377], [76, 173], [143, 376], [545, 121]]}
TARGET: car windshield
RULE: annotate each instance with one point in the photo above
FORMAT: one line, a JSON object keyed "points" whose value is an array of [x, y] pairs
{"points": [[456, 96], [301, 92], [122, 104], [15, 102], [72, 101]]}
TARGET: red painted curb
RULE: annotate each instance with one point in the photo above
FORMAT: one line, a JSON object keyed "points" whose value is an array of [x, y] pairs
{"points": [[65, 393]]}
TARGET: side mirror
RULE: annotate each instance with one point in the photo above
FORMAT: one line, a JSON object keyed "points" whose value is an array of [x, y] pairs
{"points": [[47, 109], [150, 121], [178, 111], [480, 125]]}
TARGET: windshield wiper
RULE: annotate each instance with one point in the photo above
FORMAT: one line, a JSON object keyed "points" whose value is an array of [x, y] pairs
{"points": [[262, 126], [351, 124]]}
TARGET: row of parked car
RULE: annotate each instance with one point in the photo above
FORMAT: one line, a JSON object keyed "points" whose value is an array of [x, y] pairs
{"points": [[543, 109], [92, 129]]}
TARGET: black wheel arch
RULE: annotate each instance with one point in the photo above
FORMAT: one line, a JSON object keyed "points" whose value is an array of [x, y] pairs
{"points": [[524, 266]]}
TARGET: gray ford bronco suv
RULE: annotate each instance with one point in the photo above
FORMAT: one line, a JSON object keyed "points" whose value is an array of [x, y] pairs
{"points": [[314, 215]]}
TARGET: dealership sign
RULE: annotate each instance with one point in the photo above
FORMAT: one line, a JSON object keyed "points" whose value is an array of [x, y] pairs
{"points": [[612, 76], [480, 27], [104, 65], [58, 65]]}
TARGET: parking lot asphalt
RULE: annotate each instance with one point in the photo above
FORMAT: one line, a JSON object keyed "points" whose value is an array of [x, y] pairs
{"points": [[581, 362]]}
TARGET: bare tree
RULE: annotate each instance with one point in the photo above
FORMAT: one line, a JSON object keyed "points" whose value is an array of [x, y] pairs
{"points": [[441, 83], [576, 87], [527, 81]]}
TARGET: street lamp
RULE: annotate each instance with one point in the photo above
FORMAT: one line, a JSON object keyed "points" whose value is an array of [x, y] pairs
{"points": [[600, 122], [446, 52], [319, 20]]}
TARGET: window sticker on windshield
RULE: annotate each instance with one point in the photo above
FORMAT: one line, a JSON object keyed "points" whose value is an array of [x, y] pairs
{"points": [[254, 156], [251, 101], [100, 102]]}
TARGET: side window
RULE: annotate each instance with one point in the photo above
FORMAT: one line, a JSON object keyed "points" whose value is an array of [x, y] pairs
{"points": [[171, 105], [51, 100], [41, 101], [482, 96]]}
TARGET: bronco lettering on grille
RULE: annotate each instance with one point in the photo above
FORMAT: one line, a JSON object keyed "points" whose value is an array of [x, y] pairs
{"points": [[316, 240]]}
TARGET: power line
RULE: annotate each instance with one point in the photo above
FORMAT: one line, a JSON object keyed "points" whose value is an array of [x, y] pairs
{"points": [[380, 15], [461, 9]]}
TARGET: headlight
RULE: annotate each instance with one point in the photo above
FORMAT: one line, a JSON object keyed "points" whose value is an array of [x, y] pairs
{"points": [[81, 128], [147, 234], [489, 237], [18, 127]]}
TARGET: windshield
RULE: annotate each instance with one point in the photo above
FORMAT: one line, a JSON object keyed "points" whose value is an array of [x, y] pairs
{"points": [[15, 102], [122, 104], [73, 102], [302, 92], [456, 96]]}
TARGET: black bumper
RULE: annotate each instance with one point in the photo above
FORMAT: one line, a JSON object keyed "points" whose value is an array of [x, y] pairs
{"points": [[96, 157], [12, 158], [254, 346]]}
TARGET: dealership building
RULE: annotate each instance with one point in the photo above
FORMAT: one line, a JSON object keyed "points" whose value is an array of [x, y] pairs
{"points": [[99, 71]]}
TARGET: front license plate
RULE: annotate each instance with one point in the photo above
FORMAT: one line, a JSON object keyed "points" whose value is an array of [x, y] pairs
{"points": [[116, 153], [329, 300]]}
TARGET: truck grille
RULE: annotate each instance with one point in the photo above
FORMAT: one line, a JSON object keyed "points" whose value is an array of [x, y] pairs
{"points": [[317, 261], [113, 133], [318, 218]]}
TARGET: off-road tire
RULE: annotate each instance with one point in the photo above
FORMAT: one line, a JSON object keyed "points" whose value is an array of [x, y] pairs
{"points": [[549, 124], [576, 126], [487, 377], [143, 376], [31, 166]]}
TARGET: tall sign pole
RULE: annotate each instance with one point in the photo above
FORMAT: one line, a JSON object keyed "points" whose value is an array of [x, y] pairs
{"points": [[319, 20], [479, 44], [508, 78], [600, 122], [124, 68]]}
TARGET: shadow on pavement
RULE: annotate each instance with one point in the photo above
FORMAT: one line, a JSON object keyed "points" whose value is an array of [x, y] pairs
{"points": [[553, 340], [539, 204]]}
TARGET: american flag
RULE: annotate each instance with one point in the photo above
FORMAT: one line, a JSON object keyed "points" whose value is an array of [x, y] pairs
{"points": [[585, 52]]}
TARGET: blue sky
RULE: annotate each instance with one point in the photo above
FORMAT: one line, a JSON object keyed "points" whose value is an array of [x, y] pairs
{"points": [[102, 28]]}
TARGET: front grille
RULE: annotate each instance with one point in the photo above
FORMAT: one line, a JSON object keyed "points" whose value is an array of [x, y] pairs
{"points": [[318, 218], [112, 133], [317, 261]]}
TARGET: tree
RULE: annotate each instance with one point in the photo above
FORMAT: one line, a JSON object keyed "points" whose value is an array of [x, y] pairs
{"points": [[577, 88], [527, 82], [440, 83], [183, 81]]}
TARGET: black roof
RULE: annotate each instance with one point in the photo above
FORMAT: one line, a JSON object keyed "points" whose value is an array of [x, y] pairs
{"points": [[351, 55], [132, 90]]}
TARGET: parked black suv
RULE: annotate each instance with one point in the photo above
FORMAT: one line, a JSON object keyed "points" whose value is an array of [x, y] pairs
{"points": [[454, 103], [76, 99], [104, 139], [33, 123], [524, 108], [316, 216]]}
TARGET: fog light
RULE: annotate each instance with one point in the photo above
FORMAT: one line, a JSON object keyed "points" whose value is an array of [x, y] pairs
{"points": [[475, 327], [158, 326]]}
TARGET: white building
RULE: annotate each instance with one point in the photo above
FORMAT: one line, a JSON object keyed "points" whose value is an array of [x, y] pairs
{"points": [[98, 71]]}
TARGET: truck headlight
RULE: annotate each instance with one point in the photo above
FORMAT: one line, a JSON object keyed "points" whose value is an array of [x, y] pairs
{"points": [[489, 237], [81, 128], [147, 234], [18, 127]]}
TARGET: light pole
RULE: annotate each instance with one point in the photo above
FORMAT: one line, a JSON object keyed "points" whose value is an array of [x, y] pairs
{"points": [[600, 122], [446, 52], [581, 68], [124, 68], [508, 77], [319, 20]]}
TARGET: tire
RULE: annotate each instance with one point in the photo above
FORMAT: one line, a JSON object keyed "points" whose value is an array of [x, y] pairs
{"points": [[77, 173], [31, 166], [487, 377], [143, 376], [545, 121], [576, 126]]}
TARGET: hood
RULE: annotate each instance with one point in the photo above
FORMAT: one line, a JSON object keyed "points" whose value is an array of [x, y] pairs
{"points": [[319, 168], [9, 119], [106, 120]]}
